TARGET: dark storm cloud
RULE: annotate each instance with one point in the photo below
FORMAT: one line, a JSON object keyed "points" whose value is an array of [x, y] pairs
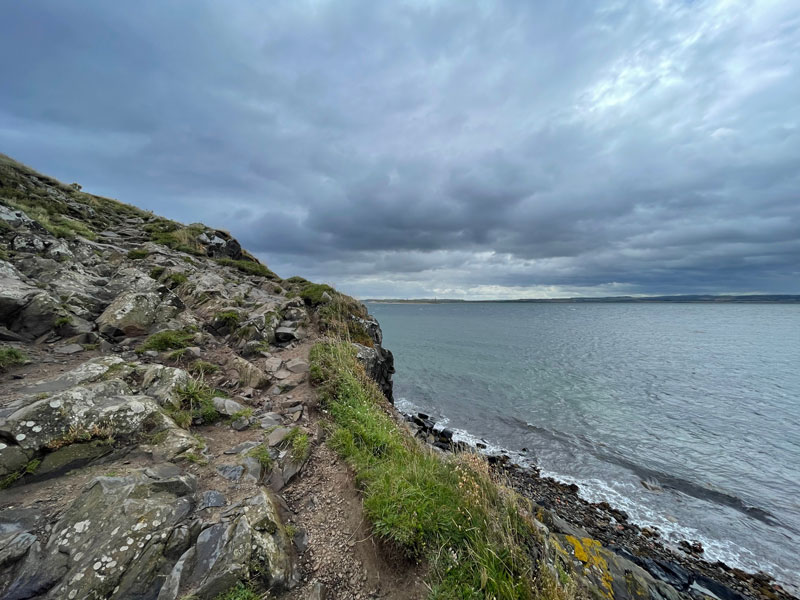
{"points": [[434, 148]]}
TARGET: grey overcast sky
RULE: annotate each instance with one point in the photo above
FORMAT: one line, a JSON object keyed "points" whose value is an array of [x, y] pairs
{"points": [[410, 149]]}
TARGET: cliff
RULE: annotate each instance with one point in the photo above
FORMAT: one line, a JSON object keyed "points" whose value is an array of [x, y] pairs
{"points": [[178, 421]]}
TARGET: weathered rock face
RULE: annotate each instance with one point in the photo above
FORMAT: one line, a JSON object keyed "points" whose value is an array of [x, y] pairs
{"points": [[141, 537], [377, 361]]}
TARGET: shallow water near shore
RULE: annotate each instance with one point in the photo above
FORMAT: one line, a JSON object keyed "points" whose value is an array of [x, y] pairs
{"points": [[685, 416]]}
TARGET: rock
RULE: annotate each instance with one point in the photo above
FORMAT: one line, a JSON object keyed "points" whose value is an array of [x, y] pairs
{"points": [[272, 364], [37, 316], [240, 424], [15, 218], [226, 406], [270, 420], [297, 365], [379, 365], [69, 349], [211, 499], [251, 546], [90, 371], [243, 447], [317, 590], [249, 374], [130, 314], [231, 472], [94, 411], [162, 383], [278, 435], [96, 550], [70, 457], [286, 334]]}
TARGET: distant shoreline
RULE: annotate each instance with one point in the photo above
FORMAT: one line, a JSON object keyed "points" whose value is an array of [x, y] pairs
{"points": [[687, 299]]}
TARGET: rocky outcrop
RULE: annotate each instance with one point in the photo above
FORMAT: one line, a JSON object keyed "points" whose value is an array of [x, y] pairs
{"points": [[377, 360]]}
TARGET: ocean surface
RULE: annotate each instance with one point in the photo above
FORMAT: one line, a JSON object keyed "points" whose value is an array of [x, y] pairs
{"points": [[700, 402]]}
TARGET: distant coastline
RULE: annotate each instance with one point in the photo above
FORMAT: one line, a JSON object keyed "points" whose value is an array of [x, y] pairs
{"points": [[722, 299]]}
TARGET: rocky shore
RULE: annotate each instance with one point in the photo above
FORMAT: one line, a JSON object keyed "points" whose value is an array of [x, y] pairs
{"points": [[561, 508]]}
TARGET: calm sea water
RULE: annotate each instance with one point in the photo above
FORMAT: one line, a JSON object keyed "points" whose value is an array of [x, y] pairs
{"points": [[699, 401]]}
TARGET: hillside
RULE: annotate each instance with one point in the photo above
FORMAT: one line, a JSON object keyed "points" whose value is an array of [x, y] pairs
{"points": [[178, 421]]}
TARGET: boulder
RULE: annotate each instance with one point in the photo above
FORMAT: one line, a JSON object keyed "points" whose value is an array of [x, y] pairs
{"points": [[99, 550], [227, 407], [249, 374], [130, 314], [161, 383], [250, 546]]}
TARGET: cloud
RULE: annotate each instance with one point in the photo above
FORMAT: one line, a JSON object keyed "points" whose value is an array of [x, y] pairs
{"points": [[435, 148]]}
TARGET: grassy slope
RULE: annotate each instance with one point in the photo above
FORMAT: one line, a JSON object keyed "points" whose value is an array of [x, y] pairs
{"points": [[476, 534]]}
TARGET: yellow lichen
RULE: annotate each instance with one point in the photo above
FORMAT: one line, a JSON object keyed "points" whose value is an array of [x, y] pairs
{"points": [[589, 552]]}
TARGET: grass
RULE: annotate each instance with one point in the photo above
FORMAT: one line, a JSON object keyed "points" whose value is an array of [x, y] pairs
{"points": [[177, 278], [261, 453], [311, 293], [157, 272], [195, 402], [175, 236], [11, 357], [202, 367], [239, 592], [169, 339], [341, 318], [299, 443], [62, 321], [138, 254], [249, 267], [473, 532], [228, 318]]}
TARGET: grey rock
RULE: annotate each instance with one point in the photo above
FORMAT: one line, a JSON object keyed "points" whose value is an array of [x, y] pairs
{"points": [[241, 424], [69, 349], [286, 334], [212, 499], [270, 420], [278, 435], [297, 365], [231, 472], [227, 406], [243, 447], [317, 590]]}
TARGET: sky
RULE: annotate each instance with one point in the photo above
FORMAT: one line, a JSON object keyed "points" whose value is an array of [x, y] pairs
{"points": [[463, 149]]}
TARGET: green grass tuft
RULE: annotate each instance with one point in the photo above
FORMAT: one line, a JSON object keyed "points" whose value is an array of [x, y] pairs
{"points": [[157, 272], [169, 339], [11, 357], [228, 318], [195, 399], [311, 293], [177, 278], [249, 267], [138, 254], [239, 592], [202, 367], [261, 453]]}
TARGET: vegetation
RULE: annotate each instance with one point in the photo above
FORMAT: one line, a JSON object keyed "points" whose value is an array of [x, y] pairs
{"points": [[299, 443], [474, 533], [311, 293], [261, 453], [11, 357], [62, 321], [168, 339], [177, 278], [175, 236], [228, 318], [202, 367], [138, 254], [195, 402], [157, 272], [251, 267], [239, 592], [343, 318]]}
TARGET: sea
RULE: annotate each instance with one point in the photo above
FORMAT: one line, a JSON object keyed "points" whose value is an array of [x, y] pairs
{"points": [[685, 416]]}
